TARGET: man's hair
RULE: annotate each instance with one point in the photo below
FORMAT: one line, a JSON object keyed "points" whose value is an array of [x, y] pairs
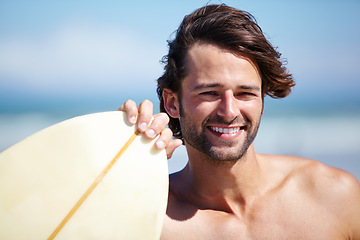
{"points": [[230, 29]]}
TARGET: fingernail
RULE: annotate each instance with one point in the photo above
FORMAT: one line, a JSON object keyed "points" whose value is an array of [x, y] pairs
{"points": [[150, 133], [160, 144], [132, 120], [142, 126]]}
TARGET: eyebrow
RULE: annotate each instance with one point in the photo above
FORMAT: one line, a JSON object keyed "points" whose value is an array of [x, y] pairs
{"points": [[202, 86], [249, 87], [214, 85]]}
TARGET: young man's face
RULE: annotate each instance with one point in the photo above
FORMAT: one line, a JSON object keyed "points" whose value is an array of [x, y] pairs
{"points": [[221, 103]]}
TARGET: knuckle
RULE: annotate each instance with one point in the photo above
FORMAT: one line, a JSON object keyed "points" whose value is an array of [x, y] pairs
{"points": [[164, 117], [168, 132], [126, 105], [147, 102], [129, 102]]}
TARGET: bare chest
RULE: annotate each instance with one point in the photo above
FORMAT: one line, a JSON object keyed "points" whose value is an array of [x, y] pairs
{"points": [[264, 222]]}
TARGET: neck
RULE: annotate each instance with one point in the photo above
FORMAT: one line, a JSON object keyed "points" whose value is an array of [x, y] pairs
{"points": [[227, 186]]}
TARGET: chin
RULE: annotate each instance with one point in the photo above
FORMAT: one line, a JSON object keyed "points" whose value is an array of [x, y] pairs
{"points": [[225, 155]]}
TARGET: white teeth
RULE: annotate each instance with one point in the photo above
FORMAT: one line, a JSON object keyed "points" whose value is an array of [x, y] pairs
{"points": [[225, 130]]}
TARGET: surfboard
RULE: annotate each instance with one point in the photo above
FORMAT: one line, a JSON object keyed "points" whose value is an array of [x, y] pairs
{"points": [[89, 177]]}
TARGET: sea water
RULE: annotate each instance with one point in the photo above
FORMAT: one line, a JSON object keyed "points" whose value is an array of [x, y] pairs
{"points": [[331, 139]]}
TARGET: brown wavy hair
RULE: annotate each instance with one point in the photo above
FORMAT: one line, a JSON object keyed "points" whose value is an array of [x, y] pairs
{"points": [[231, 29]]}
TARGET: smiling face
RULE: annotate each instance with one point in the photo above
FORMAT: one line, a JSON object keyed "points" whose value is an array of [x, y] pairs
{"points": [[220, 106]]}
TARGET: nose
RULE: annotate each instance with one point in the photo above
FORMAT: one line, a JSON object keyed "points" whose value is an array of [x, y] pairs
{"points": [[228, 108]]}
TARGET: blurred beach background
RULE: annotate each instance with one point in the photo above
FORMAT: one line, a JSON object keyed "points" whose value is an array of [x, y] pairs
{"points": [[61, 59]]}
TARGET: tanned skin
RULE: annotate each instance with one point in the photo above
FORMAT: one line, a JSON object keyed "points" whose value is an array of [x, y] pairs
{"points": [[227, 190]]}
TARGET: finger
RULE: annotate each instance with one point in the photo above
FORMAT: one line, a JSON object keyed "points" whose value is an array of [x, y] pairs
{"points": [[164, 139], [172, 146], [145, 115], [159, 123], [131, 110]]}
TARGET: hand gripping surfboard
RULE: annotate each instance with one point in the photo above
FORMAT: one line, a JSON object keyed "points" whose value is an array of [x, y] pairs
{"points": [[89, 177]]}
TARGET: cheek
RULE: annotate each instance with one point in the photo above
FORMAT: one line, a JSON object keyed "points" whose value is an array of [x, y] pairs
{"points": [[196, 107], [252, 109]]}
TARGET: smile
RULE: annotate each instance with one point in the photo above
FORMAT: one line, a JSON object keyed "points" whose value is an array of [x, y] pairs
{"points": [[225, 130]]}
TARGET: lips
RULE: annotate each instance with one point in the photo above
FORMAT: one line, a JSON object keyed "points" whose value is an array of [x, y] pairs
{"points": [[225, 135]]}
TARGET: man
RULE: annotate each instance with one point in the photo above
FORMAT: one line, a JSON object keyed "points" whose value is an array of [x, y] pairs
{"points": [[218, 71]]}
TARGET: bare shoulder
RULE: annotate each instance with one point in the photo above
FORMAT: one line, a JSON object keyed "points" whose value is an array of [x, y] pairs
{"points": [[334, 189], [313, 172], [331, 188], [317, 177]]}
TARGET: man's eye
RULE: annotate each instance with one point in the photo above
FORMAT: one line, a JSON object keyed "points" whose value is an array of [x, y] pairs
{"points": [[245, 94], [209, 93]]}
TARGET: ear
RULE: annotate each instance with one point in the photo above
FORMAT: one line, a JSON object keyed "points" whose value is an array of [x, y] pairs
{"points": [[171, 103]]}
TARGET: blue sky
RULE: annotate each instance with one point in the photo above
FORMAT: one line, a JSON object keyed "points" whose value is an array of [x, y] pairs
{"points": [[68, 52]]}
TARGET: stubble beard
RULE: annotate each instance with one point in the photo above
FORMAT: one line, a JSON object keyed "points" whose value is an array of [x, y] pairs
{"points": [[199, 140]]}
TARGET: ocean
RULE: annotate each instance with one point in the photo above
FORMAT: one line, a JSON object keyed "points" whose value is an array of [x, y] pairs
{"points": [[333, 139]]}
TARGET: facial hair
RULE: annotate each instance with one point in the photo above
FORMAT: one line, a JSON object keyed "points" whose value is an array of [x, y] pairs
{"points": [[197, 138]]}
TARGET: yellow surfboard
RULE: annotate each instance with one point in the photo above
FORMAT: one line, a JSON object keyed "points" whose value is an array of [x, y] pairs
{"points": [[89, 177]]}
